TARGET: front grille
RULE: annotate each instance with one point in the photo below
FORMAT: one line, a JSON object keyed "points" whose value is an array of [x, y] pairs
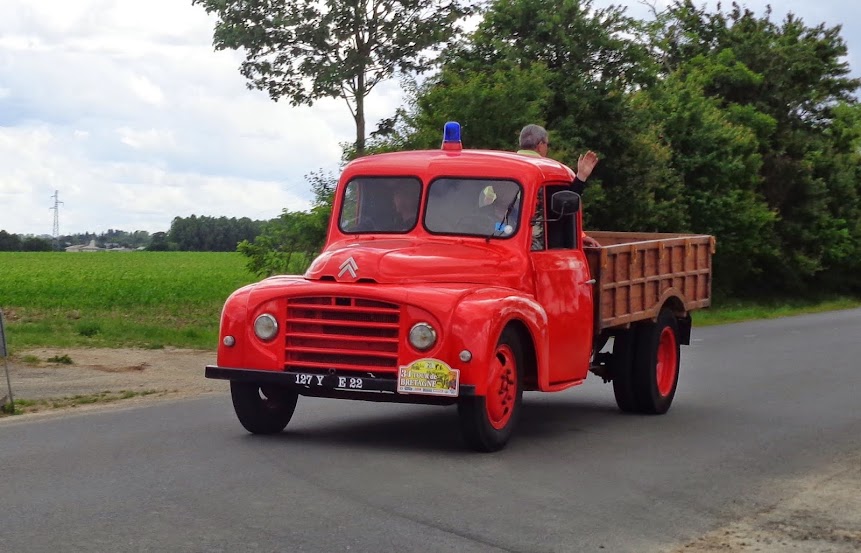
{"points": [[341, 334]]}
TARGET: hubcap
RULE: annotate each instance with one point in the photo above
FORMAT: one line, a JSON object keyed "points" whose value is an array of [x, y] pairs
{"points": [[667, 362], [502, 387]]}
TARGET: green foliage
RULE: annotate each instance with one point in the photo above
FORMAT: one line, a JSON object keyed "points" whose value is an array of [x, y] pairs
{"points": [[489, 104], [9, 242], [787, 82], [15, 243], [206, 234], [36, 405], [89, 329], [288, 244], [717, 158], [304, 50], [61, 360], [738, 310]]}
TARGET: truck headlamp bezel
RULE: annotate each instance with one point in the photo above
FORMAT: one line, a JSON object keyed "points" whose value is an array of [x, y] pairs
{"points": [[422, 336], [266, 327]]}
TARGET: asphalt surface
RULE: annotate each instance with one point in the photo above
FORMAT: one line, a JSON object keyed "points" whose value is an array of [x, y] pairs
{"points": [[757, 403]]}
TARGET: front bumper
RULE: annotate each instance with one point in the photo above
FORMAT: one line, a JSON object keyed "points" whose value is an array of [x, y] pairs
{"points": [[338, 385]]}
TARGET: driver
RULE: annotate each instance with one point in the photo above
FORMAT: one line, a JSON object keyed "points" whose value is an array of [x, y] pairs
{"points": [[406, 206]]}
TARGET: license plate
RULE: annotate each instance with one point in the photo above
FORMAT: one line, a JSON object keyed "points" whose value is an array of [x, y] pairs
{"points": [[329, 381]]}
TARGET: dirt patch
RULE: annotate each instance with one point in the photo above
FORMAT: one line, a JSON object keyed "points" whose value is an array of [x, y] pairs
{"points": [[175, 372], [822, 516]]}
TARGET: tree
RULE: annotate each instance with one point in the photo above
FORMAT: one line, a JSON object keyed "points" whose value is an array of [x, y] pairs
{"points": [[9, 242], [289, 243], [159, 243], [211, 234], [802, 80], [715, 153], [305, 50], [35, 244]]}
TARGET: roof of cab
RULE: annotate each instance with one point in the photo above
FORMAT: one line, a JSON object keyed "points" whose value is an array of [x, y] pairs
{"points": [[430, 164]]}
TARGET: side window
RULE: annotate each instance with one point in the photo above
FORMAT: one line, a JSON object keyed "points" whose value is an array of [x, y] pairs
{"points": [[549, 231], [539, 226]]}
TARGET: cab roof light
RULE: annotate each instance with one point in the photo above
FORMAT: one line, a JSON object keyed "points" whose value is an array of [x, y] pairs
{"points": [[451, 136]]}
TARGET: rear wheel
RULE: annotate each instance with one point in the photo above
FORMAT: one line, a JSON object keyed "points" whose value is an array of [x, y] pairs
{"points": [[263, 409], [646, 372], [487, 422], [624, 383], [656, 364]]}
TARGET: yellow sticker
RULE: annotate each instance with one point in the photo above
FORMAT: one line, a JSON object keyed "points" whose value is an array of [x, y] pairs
{"points": [[430, 377]]}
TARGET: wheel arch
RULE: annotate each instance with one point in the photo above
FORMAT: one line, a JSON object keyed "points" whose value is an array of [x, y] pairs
{"points": [[530, 357], [676, 304]]}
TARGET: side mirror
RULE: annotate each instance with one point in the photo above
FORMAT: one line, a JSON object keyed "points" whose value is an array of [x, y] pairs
{"points": [[565, 202]]}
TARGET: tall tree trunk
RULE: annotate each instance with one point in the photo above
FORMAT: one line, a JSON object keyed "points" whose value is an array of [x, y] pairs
{"points": [[360, 114]]}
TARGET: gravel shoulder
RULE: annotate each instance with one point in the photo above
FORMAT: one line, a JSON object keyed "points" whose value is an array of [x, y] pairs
{"points": [[173, 373], [821, 512]]}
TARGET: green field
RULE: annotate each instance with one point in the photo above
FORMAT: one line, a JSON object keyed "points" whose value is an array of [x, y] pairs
{"points": [[117, 299], [157, 299]]}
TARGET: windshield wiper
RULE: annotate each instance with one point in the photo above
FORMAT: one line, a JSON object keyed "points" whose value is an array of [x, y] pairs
{"points": [[500, 226]]}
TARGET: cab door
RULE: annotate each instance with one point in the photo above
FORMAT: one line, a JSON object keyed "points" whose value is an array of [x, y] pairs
{"points": [[563, 285]]}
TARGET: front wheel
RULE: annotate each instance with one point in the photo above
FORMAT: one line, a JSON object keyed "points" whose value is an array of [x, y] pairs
{"points": [[487, 422], [263, 409]]}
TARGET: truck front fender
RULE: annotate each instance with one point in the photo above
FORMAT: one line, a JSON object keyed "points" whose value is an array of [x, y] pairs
{"points": [[479, 319]]}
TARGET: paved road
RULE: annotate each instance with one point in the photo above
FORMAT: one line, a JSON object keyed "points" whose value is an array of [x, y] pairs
{"points": [[757, 403]]}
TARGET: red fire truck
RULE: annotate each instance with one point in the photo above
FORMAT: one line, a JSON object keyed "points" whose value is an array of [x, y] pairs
{"points": [[459, 277]]}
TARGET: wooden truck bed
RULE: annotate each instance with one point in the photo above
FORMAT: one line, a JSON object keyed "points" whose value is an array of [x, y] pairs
{"points": [[636, 273]]}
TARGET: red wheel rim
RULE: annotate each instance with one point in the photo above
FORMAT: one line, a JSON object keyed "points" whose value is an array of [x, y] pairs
{"points": [[501, 388], [668, 362]]}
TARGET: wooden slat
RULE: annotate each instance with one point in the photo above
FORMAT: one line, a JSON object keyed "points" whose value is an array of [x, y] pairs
{"points": [[635, 271]]}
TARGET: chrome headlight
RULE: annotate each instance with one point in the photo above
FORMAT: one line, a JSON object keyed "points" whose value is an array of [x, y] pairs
{"points": [[266, 327], [422, 336]]}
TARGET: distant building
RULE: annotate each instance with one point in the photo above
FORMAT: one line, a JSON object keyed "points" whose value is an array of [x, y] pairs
{"points": [[91, 247]]}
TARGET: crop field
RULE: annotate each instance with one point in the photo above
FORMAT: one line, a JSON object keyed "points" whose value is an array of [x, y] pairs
{"points": [[158, 299], [117, 299]]}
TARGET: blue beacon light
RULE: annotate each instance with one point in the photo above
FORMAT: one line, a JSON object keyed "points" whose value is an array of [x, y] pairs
{"points": [[451, 136]]}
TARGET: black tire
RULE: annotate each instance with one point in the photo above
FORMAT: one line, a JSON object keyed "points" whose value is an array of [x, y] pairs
{"points": [[624, 345], [656, 364], [487, 423], [263, 409]]}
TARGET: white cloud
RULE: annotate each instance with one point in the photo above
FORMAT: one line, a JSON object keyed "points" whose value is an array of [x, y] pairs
{"points": [[145, 90], [150, 139], [124, 107]]}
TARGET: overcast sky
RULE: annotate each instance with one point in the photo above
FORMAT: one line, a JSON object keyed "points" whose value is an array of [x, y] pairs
{"points": [[124, 108]]}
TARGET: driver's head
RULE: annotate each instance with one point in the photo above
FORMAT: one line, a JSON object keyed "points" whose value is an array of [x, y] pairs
{"points": [[404, 198]]}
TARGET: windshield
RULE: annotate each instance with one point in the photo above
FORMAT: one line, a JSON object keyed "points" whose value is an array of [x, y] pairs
{"points": [[380, 204], [473, 206]]}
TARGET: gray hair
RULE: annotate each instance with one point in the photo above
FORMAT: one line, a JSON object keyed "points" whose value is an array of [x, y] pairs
{"points": [[531, 136]]}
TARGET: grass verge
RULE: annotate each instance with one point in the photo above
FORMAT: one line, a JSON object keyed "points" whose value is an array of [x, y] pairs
{"points": [[23, 406], [734, 310]]}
